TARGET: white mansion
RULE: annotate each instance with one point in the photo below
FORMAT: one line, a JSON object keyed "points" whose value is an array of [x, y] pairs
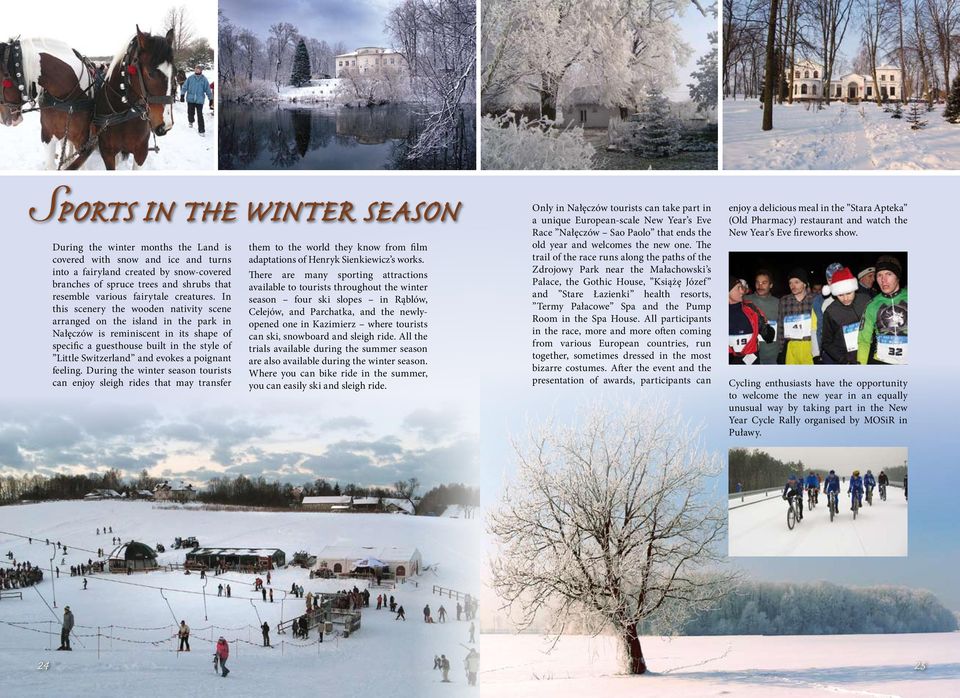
{"points": [[808, 83], [369, 59]]}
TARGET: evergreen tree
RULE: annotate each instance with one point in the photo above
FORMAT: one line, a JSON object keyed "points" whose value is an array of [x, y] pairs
{"points": [[704, 90], [952, 111], [658, 137], [916, 123], [300, 75]]}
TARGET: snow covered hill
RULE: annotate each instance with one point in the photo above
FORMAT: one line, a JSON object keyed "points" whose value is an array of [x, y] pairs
{"points": [[877, 666], [761, 528], [839, 137], [125, 623], [181, 149]]}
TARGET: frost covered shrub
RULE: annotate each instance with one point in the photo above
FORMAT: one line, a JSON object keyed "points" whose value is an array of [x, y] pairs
{"points": [[241, 90], [658, 135], [521, 144], [623, 135]]}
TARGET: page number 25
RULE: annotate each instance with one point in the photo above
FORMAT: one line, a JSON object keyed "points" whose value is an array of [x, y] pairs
{"points": [[920, 666]]}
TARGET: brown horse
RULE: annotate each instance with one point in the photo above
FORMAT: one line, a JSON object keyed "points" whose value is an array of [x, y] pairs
{"points": [[47, 75], [130, 105]]}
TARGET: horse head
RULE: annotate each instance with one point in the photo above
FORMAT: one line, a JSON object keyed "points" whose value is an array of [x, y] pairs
{"points": [[149, 72], [11, 97]]}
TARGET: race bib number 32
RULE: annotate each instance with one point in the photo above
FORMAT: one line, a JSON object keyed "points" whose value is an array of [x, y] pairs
{"points": [[892, 349]]}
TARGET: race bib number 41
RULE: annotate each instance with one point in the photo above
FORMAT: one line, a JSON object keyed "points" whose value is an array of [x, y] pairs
{"points": [[797, 326], [892, 349]]}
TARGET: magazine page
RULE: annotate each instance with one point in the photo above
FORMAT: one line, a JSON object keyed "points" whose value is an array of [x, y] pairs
{"points": [[446, 347]]}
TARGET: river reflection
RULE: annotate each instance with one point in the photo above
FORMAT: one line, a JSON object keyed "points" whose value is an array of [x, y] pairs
{"points": [[257, 137]]}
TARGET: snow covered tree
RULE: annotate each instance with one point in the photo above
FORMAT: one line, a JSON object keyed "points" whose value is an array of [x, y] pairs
{"points": [[704, 90], [658, 136], [300, 75], [521, 144], [609, 524], [952, 111]]}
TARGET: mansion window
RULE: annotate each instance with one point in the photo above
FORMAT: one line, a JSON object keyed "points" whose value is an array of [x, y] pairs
{"points": [[882, 77], [797, 74], [893, 90], [816, 74], [813, 89], [869, 91], [806, 73], [803, 89]]}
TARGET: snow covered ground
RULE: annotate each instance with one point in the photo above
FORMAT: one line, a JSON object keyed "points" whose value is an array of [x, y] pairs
{"points": [[136, 650], [839, 137], [878, 666], [181, 149], [761, 528]]}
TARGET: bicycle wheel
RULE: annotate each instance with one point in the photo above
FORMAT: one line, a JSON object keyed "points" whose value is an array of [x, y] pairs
{"points": [[832, 507], [855, 507], [791, 518]]}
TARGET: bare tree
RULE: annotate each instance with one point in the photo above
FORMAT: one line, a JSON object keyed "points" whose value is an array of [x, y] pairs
{"points": [[282, 36], [407, 490], [944, 19], [184, 34], [832, 18], [609, 521], [877, 16]]}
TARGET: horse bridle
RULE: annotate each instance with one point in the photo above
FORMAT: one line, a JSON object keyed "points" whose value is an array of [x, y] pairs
{"points": [[129, 66], [12, 63]]}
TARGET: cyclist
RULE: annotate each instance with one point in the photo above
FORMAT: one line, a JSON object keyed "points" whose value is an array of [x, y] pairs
{"points": [[905, 486], [882, 482], [855, 489], [792, 489], [812, 485], [869, 482], [831, 485]]}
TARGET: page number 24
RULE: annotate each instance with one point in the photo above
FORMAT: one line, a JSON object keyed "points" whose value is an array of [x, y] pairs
{"points": [[43, 666]]}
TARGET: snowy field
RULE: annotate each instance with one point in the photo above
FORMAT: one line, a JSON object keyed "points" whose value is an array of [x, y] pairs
{"points": [[181, 149], [877, 666], [137, 652], [838, 137], [761, 529]]}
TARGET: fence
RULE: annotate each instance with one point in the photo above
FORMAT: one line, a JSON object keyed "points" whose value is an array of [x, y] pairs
{"points": [[11, 595], [449, 593]]}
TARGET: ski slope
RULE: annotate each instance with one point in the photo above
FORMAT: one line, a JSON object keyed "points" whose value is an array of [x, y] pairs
{"points": [[839, 137], [181, 149], [760, 528], [866, 666], [135, 620]]}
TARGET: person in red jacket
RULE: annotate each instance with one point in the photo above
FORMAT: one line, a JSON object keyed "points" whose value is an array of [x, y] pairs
{"points": [[747, 324], [223, 651]]}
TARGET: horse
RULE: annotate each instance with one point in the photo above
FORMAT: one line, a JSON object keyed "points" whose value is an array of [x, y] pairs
{"points": [[130, 105], [47, 75]]}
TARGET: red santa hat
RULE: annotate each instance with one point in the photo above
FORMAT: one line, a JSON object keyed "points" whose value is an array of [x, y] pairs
{"points": [[843, 281]]}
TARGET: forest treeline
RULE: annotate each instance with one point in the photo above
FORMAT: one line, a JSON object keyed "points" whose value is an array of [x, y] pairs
{"points": [[821, 608], [240, 490], [757, 470]]}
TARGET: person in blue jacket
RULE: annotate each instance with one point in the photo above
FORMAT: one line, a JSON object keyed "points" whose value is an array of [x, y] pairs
{"points": [[197, 89], [792, 489], [812, 484], [831, 485], [855, 489], [869, 482]]}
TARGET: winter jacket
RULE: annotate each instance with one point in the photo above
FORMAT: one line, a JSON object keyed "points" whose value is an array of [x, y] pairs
{"points": [[811, 482], [792, 486], [856, 485], [768, 305], [68, 621], [184, 630], [869, 481], [883, 330], [832, 484], [883, 479], [472, 662], [841, 330], [741, 346], [197, 87], [223, 649]]}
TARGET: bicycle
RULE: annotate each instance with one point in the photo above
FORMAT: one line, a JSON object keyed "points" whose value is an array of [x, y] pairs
{"points": [[811, 498], [883, 493], [793, 512], [856, 505], [870, 496], [832, 505]]}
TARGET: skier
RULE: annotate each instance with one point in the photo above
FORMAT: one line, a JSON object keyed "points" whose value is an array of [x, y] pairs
{"points": [[271, 594], [442, 614], [855, 489], [400, 614], [265, 628], [98, 531], [66, 628], [223, 651], [472, 665], [84, 583], [445, 668], [459, 610], [426, 614], [263, 590], [473, 629], [379, 601], [220, 590], [228, 591], [184, 634], [436, 661]]}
